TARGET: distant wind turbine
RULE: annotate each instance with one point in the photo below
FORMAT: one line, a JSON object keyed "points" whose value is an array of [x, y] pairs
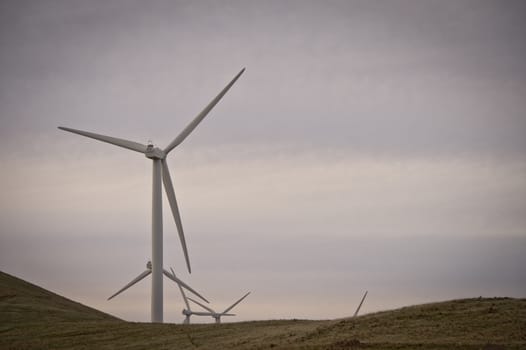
{"points": [[160, 170], [189, 312], [211, 312]]}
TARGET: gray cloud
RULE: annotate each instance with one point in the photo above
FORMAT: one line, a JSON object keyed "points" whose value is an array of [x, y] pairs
{"points": [[399, 77], [369, 145]]}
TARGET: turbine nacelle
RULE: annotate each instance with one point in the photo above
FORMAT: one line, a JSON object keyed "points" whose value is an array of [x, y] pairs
{"points": [[154, 152]]}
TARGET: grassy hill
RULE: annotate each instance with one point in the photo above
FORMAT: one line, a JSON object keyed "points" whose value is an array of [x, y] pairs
{"points": [[33, 318]]}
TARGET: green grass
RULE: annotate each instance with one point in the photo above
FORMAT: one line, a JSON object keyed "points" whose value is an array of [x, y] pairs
{"points": [[33, 318]]}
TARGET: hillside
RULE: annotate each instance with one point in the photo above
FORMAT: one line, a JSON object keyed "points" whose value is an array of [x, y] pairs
{"points": [[33, 318], [23, 302]]}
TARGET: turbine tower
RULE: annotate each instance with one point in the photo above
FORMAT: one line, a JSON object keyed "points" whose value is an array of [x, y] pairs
{"points": [[161, 173]]}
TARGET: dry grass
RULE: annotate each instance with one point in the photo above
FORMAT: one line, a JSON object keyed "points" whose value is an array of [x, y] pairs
{"points": [[33, 318]]}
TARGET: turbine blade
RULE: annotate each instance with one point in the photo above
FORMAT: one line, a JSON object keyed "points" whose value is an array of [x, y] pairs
{"points": [[182, 293], [359, 306], [237, 302], [182, 284], [193, 124], [184, 298], [170, 193], [135, 280], [203, 306], [134, 146], [228, 314], [202, 313]]}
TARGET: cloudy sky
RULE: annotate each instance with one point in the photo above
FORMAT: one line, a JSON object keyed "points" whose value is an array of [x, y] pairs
{"points": [[370, 145]]}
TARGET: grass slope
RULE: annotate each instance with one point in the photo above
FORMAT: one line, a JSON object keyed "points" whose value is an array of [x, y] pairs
{"points": [[33, 318]]}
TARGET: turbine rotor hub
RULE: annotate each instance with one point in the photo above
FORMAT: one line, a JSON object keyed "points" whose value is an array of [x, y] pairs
{"points": [[154, 152]]}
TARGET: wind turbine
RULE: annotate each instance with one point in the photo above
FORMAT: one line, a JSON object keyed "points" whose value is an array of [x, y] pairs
{"points": [[214, 314], [160, 171], [189, 312], [359, 306], [147, 272]]}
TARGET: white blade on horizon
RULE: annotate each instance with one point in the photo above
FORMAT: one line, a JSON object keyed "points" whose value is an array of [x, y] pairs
{"points": [[135, 280], [170, 193], [134, 146], [193, 124], [182, 292], [234, 304], [203, 306], [198, 313], [181, 283], [359, 306]]}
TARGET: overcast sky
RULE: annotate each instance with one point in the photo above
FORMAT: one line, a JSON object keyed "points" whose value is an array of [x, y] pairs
{"points": [[370, 145]]}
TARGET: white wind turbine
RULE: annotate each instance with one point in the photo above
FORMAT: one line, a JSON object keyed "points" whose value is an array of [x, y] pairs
{"points": [[214, 314], [160, 171], [189, 312]]}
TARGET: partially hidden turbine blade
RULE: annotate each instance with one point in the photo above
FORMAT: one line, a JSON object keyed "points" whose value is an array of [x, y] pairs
{"points": [[135, 280], [134, 146], [193, 124], [201, 313], [182, 284], [203, 306], [359, 306], [182, 292], [184, 298], [234, 304], [170, 193]]}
